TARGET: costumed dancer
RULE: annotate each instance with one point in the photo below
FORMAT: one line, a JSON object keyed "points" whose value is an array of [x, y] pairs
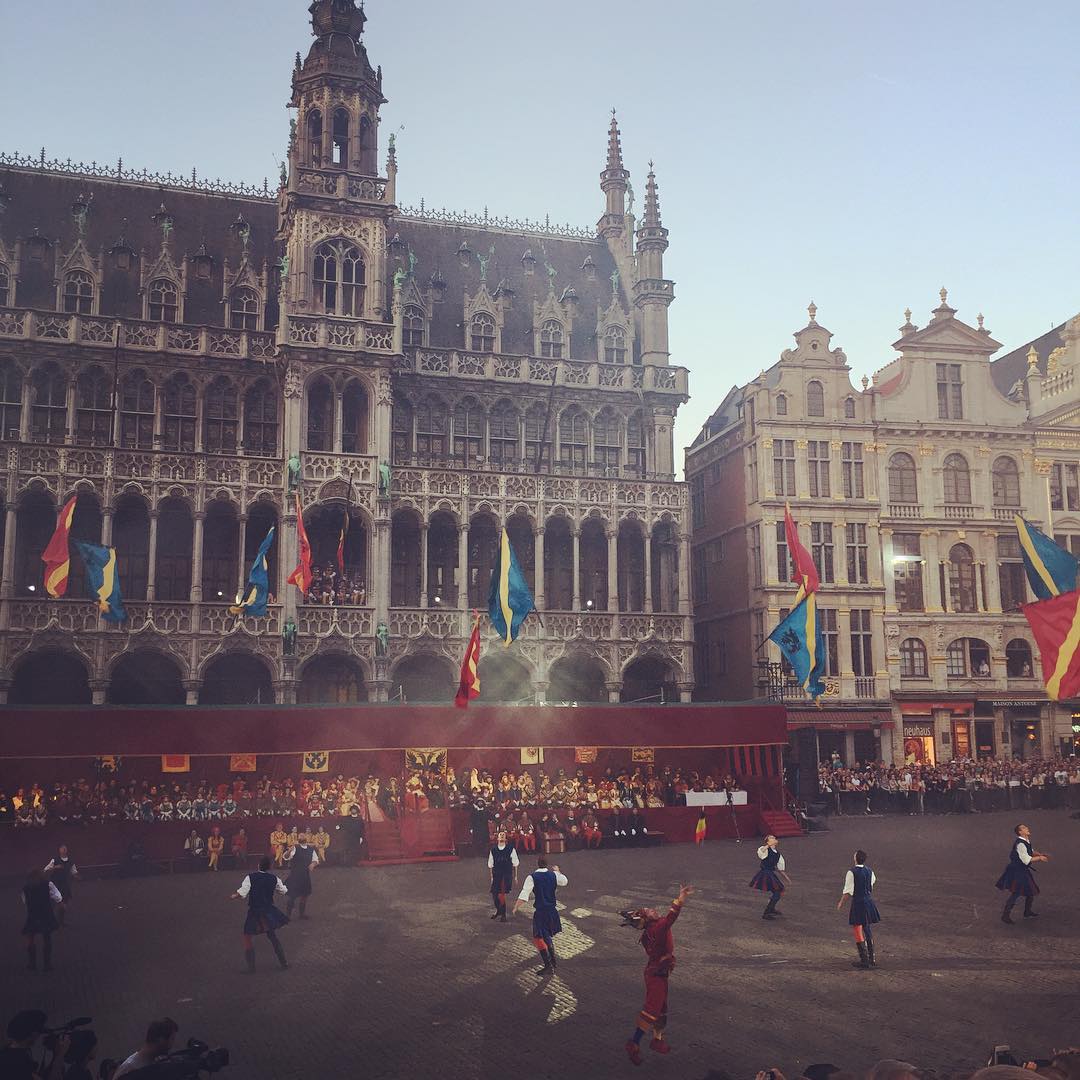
{"points": [[859, 884], [259, 888], [503, 863], [659, 945], [39, 895], [1019, 878], [541, 885], [215, 845], [771, 877], [302, 860], [279, 840], [62, 871]]}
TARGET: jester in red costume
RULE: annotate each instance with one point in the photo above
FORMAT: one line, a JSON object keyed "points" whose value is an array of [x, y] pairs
{"points": [[659, 946]]}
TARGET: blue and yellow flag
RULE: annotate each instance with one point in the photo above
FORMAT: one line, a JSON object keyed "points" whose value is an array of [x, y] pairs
{"points": [[103, 579], [800, 639], [509, 599], [253, 600], [1051, 570]]}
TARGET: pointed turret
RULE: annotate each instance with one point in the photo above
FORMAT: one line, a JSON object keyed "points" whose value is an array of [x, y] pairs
{"points": [[613, 183], [652, 291]]}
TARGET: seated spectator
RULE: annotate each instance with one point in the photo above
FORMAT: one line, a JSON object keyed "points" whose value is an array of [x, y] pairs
{"points": [[194, 846], [160, 1036]]}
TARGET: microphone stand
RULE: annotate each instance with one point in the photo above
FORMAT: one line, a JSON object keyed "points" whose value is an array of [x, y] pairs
{"points": [[734, 816]]}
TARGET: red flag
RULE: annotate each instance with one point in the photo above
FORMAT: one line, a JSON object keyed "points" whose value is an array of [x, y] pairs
{"points": [[301, 576], [56, 556], [803, 569], [1056, 626], [341, 546], [469, 686]]}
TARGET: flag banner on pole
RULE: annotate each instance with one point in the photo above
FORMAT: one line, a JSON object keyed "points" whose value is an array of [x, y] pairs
{"points": [[585, 755], [469, 682], [1056, 625], [803, 569], [301, 576], [317, 761], [1051, 570], [242, 762], [103, 580], [176, 763], [509, 598], [57, 554], [701, 828], [341, 547], [800, 639], [253, 601]]}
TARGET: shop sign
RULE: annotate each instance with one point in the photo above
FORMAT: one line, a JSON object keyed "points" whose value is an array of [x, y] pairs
{"points": [[918, 731], [1019, 703]]}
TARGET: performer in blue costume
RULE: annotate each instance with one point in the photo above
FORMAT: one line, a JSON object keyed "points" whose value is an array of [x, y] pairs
{"points": [[262, 917], [858, 886], [541, 885], [771, 877], [1019, 878]]}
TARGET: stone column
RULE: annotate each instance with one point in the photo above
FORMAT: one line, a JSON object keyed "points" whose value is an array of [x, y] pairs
{"points": [[993, 582], [151, 556], [7, 583], [463, 567], [684, 576], [24, 413], [613, 568], [576, 602], [932, 578], [686, 692], [197, 556], [849, 748], [106, 525], [424, 565], [338, 420], [538, 567], [613, 689], [242, 542], [379, 584], [98, 688], [191, 691], [647, 597]]}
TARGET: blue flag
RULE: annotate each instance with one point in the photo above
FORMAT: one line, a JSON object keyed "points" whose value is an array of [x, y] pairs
{"points": [[253, 600], [509, 599], [103, 580], [1051, 570], [800, 639]]}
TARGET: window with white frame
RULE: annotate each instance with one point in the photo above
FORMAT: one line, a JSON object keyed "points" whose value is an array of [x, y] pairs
{"points": [[817, 460], [482, 333], [950, 392], [913, 659], [862, 642], [784, 466], [244, 309], [163, 301], [551, 339], [339, 276], [614, 345], [856, 551], [815, 399], [412, 331], [822, 550], [851, 467], [79, 292]]}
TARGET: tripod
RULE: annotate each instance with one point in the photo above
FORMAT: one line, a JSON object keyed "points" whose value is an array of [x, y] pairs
{"points": [[734, 816]]}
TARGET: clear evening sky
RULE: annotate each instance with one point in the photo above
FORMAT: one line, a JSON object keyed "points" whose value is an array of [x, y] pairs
{"points": [[858, 154]]}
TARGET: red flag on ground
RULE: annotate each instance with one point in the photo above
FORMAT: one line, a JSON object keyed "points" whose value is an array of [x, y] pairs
{"points": [[469, 685], [57, 556], [1056, 626], [301, 576], [803, 569], [341, 546]]}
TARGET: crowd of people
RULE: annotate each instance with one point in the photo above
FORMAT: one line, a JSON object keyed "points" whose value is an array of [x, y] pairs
{"points": [[329, 586], [959, 786]]}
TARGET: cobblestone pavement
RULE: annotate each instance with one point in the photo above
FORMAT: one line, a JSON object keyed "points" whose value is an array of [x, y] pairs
{"points": [[399, 971]]}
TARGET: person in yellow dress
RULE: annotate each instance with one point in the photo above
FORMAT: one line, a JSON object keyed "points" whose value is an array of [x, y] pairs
{"points": [[279, 838], [321, 842], [215, 845]]}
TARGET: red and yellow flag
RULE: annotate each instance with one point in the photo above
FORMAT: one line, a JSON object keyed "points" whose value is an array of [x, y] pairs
{"points": [[803, 569], [301, 576], [700, 829], [1056, 626], [176, 763], [469, 685], [341, 546], [57, 556]]}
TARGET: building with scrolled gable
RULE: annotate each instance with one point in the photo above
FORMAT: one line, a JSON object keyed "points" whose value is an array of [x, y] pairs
{"points": [[187, 358]]}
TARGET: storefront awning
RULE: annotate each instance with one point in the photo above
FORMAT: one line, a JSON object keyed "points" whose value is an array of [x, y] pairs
{"points": [[839, 719]]}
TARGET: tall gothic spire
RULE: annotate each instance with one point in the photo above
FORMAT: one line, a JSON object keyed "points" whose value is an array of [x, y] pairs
{"points": [[614, 147], [614, 182], [652, 202]]}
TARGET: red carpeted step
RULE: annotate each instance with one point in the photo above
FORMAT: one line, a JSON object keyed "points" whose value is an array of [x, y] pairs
{"points": [[779, 823], [384, 841]]}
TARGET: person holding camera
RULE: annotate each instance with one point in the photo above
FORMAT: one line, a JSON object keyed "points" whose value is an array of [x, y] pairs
{"points": [[1018, 878], [259, 888], [17, 1055], [160, 1035]]}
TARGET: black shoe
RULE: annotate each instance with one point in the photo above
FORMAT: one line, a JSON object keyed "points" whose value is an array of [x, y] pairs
{"points": [[495, 916], [547, 963], [768, 914], [870, 954], [777, 911], [1031, 914], [1006, 918], [864, 960]]}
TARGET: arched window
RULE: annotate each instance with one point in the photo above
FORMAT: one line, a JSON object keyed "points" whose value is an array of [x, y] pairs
{"points": [[551, 339], [635, 443], [244, 309], [220, 417], [131, 537], [781, 404], [482, 333], [1005, 480], [957, 480], [468, 431], [962, 595], [1018, 659], [5, 285], [320, 416], [367, 147], [172, 570], [11, 390], [314, 137], [912, 659], [573, 438], [401, 425], [354, 413], [538, 431], [432, 428], [504, 433], [968, 658], [815, 399], [137, 411], [614, 345], [607, 444], [79, 292], [179, 414], [339, 278], [903, 487], [93, 408], [956, 658], [261, 419], [412, 327], [340, 148], [849, 408], [48, 404], [163, 304]]}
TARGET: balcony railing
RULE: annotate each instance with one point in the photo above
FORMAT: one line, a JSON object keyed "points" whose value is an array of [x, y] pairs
{"points": [[905, 510], [351, 335], [957, 511], [167, 616]]}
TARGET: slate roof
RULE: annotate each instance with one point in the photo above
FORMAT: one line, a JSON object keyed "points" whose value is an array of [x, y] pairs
{"points": [[1005, 370]]}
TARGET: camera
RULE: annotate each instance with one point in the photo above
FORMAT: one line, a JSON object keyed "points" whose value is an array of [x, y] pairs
{"points": [[51, 1036], [1002, 1055], [195, 1058]]}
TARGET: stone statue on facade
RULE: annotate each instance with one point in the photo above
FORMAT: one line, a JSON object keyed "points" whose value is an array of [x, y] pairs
{"points": [[293, 466], [384, 480], [382, 639], [288, 637]]}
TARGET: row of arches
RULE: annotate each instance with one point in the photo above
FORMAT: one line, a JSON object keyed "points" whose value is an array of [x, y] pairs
{"points": [[341, 142], [966, 658], [815, 401], [149, 677], [955, 480], [471, 433], [441, 563]]}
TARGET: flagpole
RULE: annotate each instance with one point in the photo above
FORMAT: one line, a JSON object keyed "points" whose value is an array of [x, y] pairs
{"points": [[115, 383]]}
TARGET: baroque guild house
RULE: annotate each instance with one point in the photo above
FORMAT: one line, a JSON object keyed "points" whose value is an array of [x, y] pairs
{"points": [[188, 359]]}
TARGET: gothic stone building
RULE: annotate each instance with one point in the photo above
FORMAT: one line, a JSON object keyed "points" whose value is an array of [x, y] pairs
{"points": [[182, 356]]}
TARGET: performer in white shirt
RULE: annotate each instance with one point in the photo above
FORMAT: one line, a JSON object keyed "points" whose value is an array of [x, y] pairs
{"points": [[858, 886], [62, 871], [770, 877], [259, 888], [503, 864], [541, 885], [1019, 877]]}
